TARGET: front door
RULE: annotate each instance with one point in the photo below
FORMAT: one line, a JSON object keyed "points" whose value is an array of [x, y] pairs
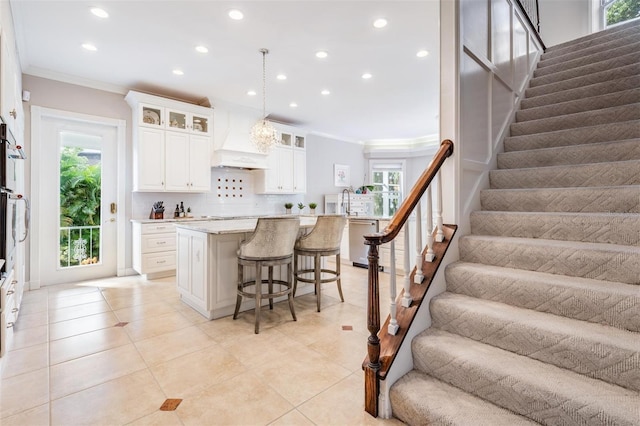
{"points": [[77, 238]]}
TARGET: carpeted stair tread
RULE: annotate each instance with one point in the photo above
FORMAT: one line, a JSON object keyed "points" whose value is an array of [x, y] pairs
{"points": [[583, 80], [595, 350], [601, 302], [584, 135], [599, 57], [602, 228], [537, 390], [567, 155], [616, 199], [419, 399], [614, 114], [593, 175], [599, 102], [590, 40], [606, 262], [610, 86]]}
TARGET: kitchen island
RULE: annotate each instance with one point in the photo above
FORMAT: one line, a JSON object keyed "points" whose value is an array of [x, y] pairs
{"points": [[207, 266]]}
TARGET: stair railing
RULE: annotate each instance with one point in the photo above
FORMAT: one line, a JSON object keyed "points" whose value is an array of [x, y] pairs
{"points": [[411, 203], [531, 9]]}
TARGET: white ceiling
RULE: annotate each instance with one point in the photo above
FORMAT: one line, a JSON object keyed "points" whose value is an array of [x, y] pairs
{"points": [[143, 41]]}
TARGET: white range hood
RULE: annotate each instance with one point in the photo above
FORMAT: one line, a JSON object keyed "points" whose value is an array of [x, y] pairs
{"points": [[231, 136]]}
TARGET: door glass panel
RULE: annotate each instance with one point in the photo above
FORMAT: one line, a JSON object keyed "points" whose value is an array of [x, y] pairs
{"points": [[200, 124], [177, 120], [80, 200]]}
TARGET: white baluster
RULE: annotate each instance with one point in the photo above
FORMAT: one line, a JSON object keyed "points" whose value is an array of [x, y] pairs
{"points": [[406, 297], [440, 233], [393, 322], [430, 256], [419, 276]]}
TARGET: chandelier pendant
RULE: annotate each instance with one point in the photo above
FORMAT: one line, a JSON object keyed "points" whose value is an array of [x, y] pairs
{"points": [[263, 134]]}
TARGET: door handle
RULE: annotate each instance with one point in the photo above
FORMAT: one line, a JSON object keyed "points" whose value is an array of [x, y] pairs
{"points": [[114, 208]]}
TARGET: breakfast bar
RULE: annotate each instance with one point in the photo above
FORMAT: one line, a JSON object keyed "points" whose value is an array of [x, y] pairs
{"points": [[207, 266]]}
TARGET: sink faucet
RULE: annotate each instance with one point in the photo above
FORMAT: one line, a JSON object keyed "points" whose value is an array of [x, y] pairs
{"points": [[348, 208]]}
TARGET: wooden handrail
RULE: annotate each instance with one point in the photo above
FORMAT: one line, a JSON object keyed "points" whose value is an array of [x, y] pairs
{"points": [[372, 367]]}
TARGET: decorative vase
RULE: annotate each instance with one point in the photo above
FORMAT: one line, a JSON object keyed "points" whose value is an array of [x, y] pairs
{"points": [[288, 211], [312, 211]]}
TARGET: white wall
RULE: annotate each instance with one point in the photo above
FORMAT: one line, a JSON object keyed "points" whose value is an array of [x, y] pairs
{"points": [[564, 20]]}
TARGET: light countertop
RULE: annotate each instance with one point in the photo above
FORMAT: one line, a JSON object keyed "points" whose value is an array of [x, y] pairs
{"points": [[235, 226]]}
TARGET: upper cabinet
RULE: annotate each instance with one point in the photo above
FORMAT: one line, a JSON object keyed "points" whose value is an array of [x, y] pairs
{"points": [[11, 88], [286, 171], [172, 143]]}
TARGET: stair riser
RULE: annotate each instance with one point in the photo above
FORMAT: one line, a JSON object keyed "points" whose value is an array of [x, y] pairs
{"points": [[582, 81], [613, 304], [589, 56], [590, 40], [585, 135], [592, 228], [587, 175], [580, 154], [606, 87], [579, 106], [599, 263], [581, 119], [542, 337]]}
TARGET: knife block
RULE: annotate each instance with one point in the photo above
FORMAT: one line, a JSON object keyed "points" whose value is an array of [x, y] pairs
{"points": [[156, 214]]}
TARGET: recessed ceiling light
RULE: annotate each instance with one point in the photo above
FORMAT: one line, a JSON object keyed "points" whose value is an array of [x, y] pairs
{"points": [[293, 105], [90, 47], [251, 93], [422, 53], [178, 72], [325, 92], [100, 13], [321, 54], [236, 15], [202, 49], [366, 76], [281, 77], [380, 23]]}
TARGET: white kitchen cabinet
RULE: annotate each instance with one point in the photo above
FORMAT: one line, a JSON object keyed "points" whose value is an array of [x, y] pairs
{"points": [[154, 249], [11, 88], [286, 171], [172, 144], [10, 295], [192, 272]]}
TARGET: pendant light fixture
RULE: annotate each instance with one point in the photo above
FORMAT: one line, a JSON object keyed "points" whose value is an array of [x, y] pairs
{"points": [[263, 134]]}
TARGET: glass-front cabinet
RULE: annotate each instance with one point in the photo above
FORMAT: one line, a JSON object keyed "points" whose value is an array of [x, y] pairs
{"points": [[174, 120]]}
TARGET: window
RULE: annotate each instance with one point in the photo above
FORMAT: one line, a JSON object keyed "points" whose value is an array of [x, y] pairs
{"points": [[387, 178], [618, 11]]}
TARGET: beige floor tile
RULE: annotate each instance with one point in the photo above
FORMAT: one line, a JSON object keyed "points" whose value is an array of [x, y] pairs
{"points": [[292, 418], [82, 373], [174, 344], [266, 348], [305, 330], [79, 311], [73, 327], [72, 289], [87, 343], [155, 326], [24, 360], [346, 402], [23, 392], [243, 400], [116, 402], [78, 299], [38, 416], [147, 310], [32, 320], [189, 313], [158, 418], [34, 296], [33, 307], [301, 375], [23, 338], [190, 374], [346, 348], [226, 330]]}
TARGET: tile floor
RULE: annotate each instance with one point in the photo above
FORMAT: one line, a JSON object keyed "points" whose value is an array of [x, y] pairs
{"points": [[74, 361]]}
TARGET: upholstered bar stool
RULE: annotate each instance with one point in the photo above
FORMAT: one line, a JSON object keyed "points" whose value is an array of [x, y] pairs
{"points": [[323, 240], [271, 244]]}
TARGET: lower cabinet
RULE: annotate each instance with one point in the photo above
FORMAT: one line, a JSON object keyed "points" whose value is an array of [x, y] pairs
{"points": [[154, 249], [192, 271], [9, 306]]}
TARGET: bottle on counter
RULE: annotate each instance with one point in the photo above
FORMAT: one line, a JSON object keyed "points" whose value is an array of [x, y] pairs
{"points": [[181, 209], [176, 213]]}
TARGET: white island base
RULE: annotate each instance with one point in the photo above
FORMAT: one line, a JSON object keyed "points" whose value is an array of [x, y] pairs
{"points": [[207, 265]]}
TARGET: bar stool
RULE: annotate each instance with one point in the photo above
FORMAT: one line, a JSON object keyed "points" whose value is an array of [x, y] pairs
{"points": [[271, 244], [323, 240]]}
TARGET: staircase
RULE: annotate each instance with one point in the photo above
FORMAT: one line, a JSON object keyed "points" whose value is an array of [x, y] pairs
{"points": [[540, 322]]}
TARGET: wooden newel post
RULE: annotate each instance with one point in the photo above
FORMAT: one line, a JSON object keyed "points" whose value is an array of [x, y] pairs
{"points": [[371, 381]]}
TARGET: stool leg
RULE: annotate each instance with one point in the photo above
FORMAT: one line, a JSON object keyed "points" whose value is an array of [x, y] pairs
{"points": [[295, 273], [258, 283], [318, 276], [271, 287], [289, 278], [338, 276], [239, 296]]}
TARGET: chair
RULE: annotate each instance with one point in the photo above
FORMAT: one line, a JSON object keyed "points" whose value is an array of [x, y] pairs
{"points": [[271, 244], [323, 240]]}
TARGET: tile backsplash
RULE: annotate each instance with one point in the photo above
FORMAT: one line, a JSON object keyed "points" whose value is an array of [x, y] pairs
{"points": [[232, 194]]}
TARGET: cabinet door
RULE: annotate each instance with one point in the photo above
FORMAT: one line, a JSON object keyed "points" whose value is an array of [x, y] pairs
{"points": [[199, 163], [150, 160], [151, 116], [177, 163], [271, 174], [201, 124], [299, 170], [285, 168], [199, 283], [182, 261], [177, 121]]}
